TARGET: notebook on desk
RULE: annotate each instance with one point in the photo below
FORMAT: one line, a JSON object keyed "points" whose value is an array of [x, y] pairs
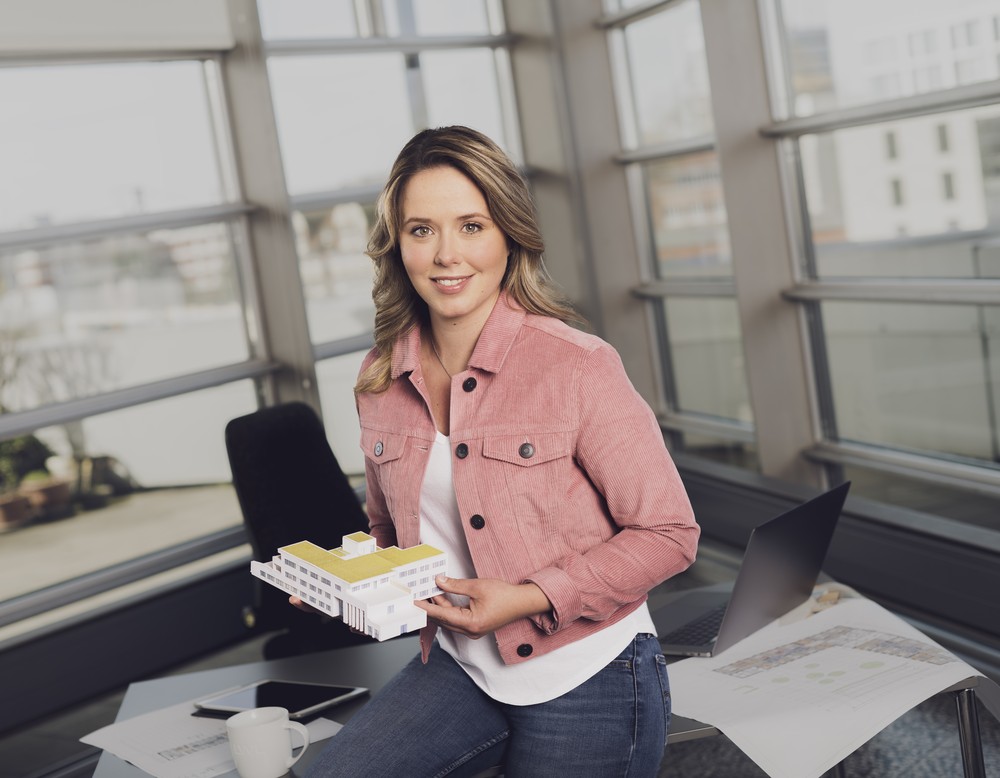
{"points": [[780, 566]]}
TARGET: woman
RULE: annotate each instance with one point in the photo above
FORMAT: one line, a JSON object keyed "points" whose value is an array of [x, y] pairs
{"points": [[495, 431]]}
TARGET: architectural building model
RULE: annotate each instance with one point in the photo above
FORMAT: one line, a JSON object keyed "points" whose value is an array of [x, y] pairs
{"points": [[372, 589]]}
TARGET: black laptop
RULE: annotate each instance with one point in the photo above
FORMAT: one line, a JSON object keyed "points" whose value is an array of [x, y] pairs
{"points": [[779, 570]]}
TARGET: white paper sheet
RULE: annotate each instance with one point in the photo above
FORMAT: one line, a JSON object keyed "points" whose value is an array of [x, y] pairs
{"points": [[798, 698], [171, 743]]}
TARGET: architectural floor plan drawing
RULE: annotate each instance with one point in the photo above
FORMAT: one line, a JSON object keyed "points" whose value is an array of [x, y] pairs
{"points": [[372, 589], [799, 697], [865, 640]]}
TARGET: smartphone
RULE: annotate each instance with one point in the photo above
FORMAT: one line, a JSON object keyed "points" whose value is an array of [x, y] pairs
{"points": [[301, 699]]}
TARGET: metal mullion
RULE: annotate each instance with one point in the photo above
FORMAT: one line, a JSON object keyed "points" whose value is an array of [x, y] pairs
{"points": [[681, 287], [57, 59], [413, 74], [77, 231], [23, 422], [314, 201], [634, 14], [944, 291], [959, 98], [408, 44], [109, 578], [343, 346], [728, 429], [509, 116], [666, 150], [974, 477], [623, 88]]}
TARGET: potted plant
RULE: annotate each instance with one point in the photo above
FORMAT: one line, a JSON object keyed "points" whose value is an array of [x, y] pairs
{"points": [[50, 496], [15, 510], [18, 457]]}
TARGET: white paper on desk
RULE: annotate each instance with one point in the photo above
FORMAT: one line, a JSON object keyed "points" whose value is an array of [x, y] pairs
{"points": [[171, 743], [798, 698]]}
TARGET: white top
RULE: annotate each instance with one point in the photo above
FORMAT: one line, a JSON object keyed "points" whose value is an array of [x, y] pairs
{"points": [[536, 680]]}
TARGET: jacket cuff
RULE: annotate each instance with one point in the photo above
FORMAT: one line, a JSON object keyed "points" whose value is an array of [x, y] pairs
{"points": [[566, 603]]}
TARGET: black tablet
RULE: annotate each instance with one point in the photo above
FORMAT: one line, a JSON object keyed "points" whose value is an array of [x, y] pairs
{"points": [[302, 700]]}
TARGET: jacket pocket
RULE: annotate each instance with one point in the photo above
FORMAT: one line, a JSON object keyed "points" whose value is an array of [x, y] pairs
{"points": [[384, 454], [534, 469], [381, 447]]}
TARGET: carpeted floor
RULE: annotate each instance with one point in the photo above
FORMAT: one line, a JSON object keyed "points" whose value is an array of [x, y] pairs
{"points": [[923, 743]]}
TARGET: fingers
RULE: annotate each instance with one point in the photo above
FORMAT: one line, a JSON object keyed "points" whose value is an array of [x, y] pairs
{"points": [[457, 585], [295, 602]]}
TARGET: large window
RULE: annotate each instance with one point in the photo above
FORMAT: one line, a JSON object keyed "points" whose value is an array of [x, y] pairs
{"points": [[900, 182], [668, 133], [874, 156], [122, 291], [148, 284]]}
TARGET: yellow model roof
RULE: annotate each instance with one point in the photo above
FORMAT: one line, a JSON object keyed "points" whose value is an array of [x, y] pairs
{"points": [[403, 556], [359, 568], [307, 552], [358, 537]]}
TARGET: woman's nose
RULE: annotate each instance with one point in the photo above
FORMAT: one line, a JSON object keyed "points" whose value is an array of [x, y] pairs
{"points": [[447, 251]]}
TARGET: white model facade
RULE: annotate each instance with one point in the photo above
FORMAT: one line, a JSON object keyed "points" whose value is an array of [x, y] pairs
{"points": [[372, 589]]}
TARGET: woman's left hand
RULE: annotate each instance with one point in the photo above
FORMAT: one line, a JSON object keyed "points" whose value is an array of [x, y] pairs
{"points": [[492, 604]]}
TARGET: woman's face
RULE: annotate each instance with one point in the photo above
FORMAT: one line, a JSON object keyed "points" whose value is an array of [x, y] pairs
{"points": [[453, 252]]}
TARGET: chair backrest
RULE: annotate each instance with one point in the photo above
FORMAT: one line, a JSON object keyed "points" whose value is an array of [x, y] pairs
{"points": [[289, 484]]}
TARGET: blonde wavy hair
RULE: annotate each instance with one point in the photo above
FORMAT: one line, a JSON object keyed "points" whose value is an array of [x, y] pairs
{"points": [[397, 305]]}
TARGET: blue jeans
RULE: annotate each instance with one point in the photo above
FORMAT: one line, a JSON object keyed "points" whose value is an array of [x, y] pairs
{"points": [[432, 720]]}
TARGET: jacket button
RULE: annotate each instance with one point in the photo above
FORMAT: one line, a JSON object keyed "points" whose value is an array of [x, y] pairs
{"points": [[477, 522], [379, 449], [461, 451], [524, 649], [527, 451], [469, 384]]}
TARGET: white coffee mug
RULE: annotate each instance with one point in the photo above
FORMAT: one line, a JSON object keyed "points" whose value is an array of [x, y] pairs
{"points": [[261, 742]]}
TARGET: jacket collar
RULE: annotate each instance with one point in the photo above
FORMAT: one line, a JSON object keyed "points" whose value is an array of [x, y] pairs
{"points": [[491, 349]]}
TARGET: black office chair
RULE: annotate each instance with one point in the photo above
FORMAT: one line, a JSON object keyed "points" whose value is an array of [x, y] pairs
{"points": [[290, 488]]}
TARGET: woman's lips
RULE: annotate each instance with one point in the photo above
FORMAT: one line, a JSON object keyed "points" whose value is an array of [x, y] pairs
{"points": [[451, 285]]}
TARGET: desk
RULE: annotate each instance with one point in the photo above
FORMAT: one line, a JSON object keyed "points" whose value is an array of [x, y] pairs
{"points": [[367, 665]]}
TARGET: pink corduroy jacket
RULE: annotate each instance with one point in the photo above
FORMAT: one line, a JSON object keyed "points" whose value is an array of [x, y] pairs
{"points": [[560, 471]]}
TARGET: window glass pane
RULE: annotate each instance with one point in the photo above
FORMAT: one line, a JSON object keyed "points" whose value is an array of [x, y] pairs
{"points": [[338, 129], [100, 141], [336, 272], [285, 19], [82, 318], [916, 376], [864, 202], [451, 17], [336, 379], [669, 75], [122, 488], [688, 216], [706, 356], [850, 52], [461, 88]]}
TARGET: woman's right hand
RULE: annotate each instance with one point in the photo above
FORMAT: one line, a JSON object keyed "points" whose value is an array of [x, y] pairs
{"points": [[297, 603]]}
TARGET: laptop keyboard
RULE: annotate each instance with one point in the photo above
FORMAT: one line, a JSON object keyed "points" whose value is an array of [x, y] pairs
{"points": [[698, 632]]}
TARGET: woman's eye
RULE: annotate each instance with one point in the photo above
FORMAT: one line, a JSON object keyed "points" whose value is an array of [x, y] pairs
{"points": [[472, 227], [421, 231]]}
